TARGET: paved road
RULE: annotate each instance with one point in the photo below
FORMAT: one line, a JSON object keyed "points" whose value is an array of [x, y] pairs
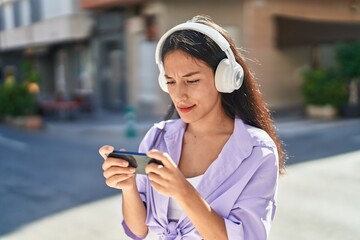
{"points": [[51, 186], [44, 172], [307, 140]]}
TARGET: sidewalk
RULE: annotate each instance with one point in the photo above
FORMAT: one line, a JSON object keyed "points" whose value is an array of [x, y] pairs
{"points": [[317, 200], [116, 124], [102, 123]]}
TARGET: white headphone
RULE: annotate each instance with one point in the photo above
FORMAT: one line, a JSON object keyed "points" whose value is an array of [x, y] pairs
{"points": [[229, 74]]}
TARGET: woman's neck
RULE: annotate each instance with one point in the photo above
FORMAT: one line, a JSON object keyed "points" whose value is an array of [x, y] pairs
{"points": [[218, 124]]}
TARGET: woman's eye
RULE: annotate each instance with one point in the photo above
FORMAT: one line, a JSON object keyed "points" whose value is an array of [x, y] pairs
{"points": [[170, 82], [192, 81]]}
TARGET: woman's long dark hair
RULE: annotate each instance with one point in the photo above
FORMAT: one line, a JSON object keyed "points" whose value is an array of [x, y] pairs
{"points": [[247, 102]]}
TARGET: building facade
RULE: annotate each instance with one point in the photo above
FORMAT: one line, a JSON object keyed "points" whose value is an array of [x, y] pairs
{"points": [[279, 38], [107, 46], [54, 38]]}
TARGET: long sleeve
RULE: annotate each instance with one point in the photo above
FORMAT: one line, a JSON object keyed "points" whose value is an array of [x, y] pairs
{"points": [[251, 216]]}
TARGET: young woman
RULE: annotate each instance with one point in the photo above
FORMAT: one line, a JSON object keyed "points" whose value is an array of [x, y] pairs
{"points": [[221, 158]]}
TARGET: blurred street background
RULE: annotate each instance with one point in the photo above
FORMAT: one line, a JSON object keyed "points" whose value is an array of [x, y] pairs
{"points": [[52, 185], [78, 74]]}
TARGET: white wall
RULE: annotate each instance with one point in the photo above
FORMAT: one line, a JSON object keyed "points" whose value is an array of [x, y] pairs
{"points": [[51, 8]]}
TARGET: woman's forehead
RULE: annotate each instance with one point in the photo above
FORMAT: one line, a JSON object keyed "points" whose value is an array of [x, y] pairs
{"points": [[178, 57]]}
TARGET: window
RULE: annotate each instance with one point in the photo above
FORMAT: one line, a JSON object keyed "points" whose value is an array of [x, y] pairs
{"points": [[8, 15], [24, 12], [2, 19], [16, 13], [35, 10]]}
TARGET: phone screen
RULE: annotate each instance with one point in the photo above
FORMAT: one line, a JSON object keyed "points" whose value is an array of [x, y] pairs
{"points": [[135, 159]]}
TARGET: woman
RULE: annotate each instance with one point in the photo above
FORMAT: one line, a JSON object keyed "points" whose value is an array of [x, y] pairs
{"points": [[221, 159]]}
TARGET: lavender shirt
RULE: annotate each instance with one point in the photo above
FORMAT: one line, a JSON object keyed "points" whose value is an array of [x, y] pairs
{"points": [[240, 185]]}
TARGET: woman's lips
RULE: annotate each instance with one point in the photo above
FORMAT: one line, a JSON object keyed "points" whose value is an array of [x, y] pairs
{"points": [[186, 109]]}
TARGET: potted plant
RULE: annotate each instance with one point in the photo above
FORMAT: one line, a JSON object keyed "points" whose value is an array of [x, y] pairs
{"points": [[324, 92], [18, 103], [348, 58]]}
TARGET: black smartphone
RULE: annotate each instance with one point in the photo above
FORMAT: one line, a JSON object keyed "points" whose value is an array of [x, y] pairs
{"points": [[135, 159]]}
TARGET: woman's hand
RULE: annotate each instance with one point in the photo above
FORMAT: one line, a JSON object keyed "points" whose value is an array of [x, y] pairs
{"points": [[167, 179], [117, 172], [119, 175]]}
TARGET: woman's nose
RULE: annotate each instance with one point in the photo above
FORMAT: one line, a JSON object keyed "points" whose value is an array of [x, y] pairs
{"points": [[180, 93]]}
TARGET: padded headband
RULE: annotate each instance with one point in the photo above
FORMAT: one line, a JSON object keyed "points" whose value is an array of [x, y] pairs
{"points": [[202, 28]]}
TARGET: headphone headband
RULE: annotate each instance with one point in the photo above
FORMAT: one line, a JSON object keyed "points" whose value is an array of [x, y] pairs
{"points": [[202, 28]]}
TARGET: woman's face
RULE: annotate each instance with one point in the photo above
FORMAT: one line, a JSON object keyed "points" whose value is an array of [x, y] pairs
{"points": [[191, 86]]}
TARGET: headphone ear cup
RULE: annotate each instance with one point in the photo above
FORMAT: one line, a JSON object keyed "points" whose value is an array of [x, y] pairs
{"points": [[228, 77], [162, 83], [238, 76], [223, 76]]}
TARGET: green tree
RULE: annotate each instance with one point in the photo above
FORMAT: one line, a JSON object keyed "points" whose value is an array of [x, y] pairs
{"points": [[323, 87], [15, 99], [348, 58]]}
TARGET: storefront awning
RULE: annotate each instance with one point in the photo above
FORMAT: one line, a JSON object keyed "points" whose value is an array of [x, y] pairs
{"points": [[291, 32]]}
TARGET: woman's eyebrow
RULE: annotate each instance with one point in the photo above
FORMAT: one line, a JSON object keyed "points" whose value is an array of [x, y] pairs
{"points": [[186, 75], [190, 74], [167, 77]]}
